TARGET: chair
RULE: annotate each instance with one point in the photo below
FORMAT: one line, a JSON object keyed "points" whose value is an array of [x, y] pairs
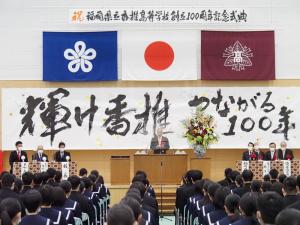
{"points": [[78, 221], [85, 217]]}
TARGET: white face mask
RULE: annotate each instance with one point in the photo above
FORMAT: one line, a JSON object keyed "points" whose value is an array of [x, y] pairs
{"points": [[19, 148], [40, 151], [62, 149], [250, 148], [283, 148], [256, 147], [272, 149]]}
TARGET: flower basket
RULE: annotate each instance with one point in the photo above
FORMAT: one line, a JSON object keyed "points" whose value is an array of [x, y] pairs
{"points": [[200, 131]]}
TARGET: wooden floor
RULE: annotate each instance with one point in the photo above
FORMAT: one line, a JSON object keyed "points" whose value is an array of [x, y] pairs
{"points": [[168, 196]]}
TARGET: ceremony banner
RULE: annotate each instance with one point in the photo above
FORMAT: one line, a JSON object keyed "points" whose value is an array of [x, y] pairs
{"points": [[127, 118]]}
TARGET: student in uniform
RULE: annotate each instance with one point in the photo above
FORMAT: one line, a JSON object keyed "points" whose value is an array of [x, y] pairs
{"points": [[32, 200], [10, 211]]}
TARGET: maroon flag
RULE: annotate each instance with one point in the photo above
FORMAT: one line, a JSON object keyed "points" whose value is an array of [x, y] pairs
{"points": [[237, 55]]}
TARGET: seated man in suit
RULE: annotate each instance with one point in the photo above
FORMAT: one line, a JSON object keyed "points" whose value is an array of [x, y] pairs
{"points": [[40, 156], [18, 155], [261, 155], [272, 154], [62, 155], [250, 154], [159, 143], [284, 153]]}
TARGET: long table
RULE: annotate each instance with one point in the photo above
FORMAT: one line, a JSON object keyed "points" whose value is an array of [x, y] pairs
{"points": [[36, 167], [257, 167]]}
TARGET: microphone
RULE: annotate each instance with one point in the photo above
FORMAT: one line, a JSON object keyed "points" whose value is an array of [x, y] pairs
{"points": [[44, 159], [22, 158], [67, 158]]}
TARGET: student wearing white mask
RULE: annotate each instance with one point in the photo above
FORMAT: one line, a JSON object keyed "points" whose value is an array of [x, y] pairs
{"points": [[272, 154], [250, 154], [284, 153], [62, 155], [17, 155], [40, 156]]}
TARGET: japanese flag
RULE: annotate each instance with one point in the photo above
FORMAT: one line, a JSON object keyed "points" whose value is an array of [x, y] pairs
{"points": [[160, 55]]}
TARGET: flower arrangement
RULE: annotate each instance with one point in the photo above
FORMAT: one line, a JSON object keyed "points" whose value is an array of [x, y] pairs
{"points": [[200, 131]]}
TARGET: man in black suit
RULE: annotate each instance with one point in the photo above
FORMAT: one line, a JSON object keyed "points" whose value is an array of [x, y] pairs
{"points": [[272, 154], [39, 156], [61, 155], [290, 191], [284, 153], [18, 155], [159, 143], [250, 154]]}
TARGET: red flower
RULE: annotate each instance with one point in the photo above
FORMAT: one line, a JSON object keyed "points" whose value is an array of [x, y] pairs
{"points": [[288, 157], [253, 156]]}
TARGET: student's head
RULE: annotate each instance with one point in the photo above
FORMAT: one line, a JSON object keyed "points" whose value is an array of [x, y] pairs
{"points": [[256, 186], [83, 172], [45, 176], [59, 196], [140, 172], [220, 196], [248, 205], [37, 179], [66, 186], [140, 186], [51, 173], [277, 187], [212, 189], [135, 207], [32, 200], [233, 175], [87, 183], [81, 186], [27, 178], [227, 172], [47, 195], [281, 178], [288, 216], [58, 176], [75, 182], [19, 145], [247, 175], [95, 173], [272, 146], [134, 193], [100, 179], [10, 211], [266, 186], [290, 186], [273, 174], [120, 214], [18, 185], [267, 177], [139, 178], [269, 204], [250, 146], [8, 181], [239, 181], [199, 186], [232, 202], [196, 175]]}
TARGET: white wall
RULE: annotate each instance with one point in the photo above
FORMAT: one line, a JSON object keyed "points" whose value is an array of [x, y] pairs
{"points": [[22, 23]]}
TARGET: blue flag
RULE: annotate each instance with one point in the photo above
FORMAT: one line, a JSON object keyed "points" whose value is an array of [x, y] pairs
{"points": [[79, 56]]}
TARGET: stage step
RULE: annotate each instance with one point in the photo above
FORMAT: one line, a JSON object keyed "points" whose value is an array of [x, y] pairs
{"points": [[168, 201]]}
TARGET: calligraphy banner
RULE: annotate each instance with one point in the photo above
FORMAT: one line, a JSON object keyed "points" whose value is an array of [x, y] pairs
{"points": [[126, 118]]}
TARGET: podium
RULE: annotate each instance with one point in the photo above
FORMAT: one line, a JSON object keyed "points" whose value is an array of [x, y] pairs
{"points": [[162, 169], [35, 167], [257, 167]]}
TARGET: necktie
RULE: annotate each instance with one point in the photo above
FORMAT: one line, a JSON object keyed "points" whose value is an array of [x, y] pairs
{"points": [[19, 155]]}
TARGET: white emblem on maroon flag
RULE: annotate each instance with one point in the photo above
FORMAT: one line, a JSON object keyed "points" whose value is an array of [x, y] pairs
{"points": [[237, 56]]}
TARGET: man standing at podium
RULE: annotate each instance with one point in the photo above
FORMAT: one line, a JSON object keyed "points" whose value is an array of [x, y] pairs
{"points": [[17, 156], [159, 143]]}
